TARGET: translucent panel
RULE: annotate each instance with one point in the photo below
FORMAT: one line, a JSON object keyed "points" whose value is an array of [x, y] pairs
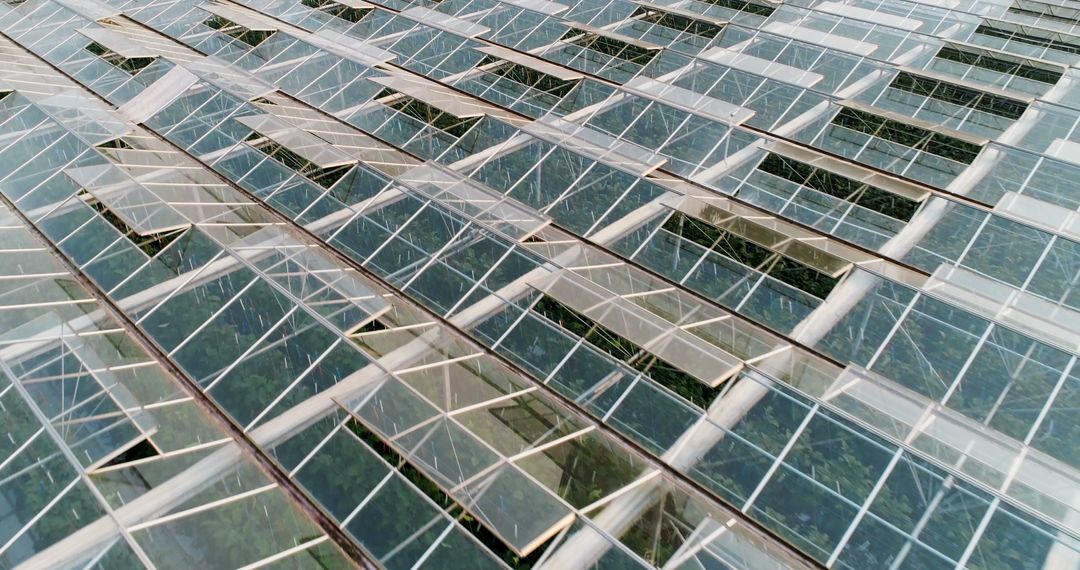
{"points": [[478, 202], [706, 363], [519, 511], [467, 308], [446, 22], [241, 17], [517, 425], [230, 78], [135, 204], [595, 144], [531, 62], [691, 101], [86, 119], [215, 527], [436, 97], [822, 38], [341, 474], [117, 43], [307, 146], [583, 470]]}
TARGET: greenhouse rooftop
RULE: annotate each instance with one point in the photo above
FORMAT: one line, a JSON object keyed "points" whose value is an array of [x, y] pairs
{"points": [[471, 284]]}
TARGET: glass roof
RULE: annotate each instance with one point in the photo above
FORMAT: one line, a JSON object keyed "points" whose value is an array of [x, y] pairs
{"points": [[514, 283]]}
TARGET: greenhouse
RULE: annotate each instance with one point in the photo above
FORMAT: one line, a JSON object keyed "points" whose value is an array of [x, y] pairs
{"points": [[468, 284]]}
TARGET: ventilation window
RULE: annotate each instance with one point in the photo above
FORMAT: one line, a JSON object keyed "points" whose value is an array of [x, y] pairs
{"points": [[428, 487], [236, 31], [918, 138], [144, 449], [128, 206], [865, 195], [375, 325], [529, 77], [348, 10], [1063, 14], [150, 242], [443, 120], [432, 102], [613, 45], [731, 241], [297, 149], [606, 340], [958, 95], [117, 143], [388, 331], [323, 176], [129, 65], [738, 5], [529, 71], [1026, 35], [680, 22], [1000, 65]]}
